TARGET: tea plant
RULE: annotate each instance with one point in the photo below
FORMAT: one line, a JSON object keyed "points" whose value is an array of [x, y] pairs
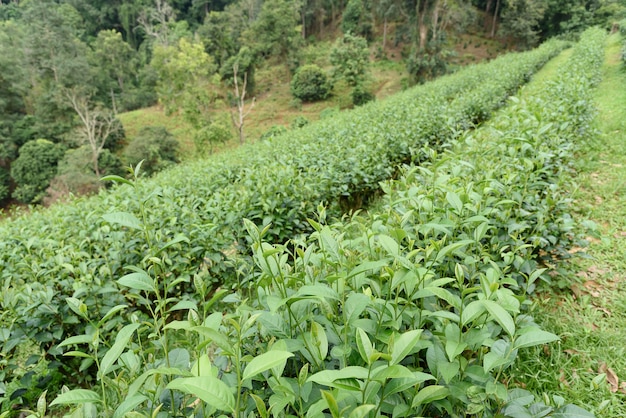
{"points": [[73, 251], [417, 309]]}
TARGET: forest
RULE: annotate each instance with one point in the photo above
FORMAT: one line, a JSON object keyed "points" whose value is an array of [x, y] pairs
{"points": [[69, 68]]}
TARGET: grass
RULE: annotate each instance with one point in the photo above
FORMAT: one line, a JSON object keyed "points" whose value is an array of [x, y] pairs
{"points": [[588, 365]]}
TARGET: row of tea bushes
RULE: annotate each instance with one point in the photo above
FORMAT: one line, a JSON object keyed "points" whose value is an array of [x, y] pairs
{"points": [[187, 221], [416, 310]]}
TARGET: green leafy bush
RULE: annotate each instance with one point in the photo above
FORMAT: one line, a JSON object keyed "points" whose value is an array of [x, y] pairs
{"points": [[156, 146], [34, 168], [5, 183], [418, 308], [272, 132], [310, 84], [299, 122], [191, 239]]}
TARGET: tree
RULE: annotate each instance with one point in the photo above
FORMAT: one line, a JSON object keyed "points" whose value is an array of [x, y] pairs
{"points": [[153, 145], [34, 168], [239, 117], [350, 59], [520, 19], [97, 124], [275, 32], [188, 83], [116, 63]]}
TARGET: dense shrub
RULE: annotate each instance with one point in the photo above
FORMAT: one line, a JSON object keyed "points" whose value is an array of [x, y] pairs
{"points": [[5, 183], [310, 83], [299, 122], [360, 96], [156, 146], [75, 174], [273, 132], [34, 168]]}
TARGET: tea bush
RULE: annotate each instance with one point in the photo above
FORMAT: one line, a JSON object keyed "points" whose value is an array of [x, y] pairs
{"points": [[184, 225], [416, 310]]}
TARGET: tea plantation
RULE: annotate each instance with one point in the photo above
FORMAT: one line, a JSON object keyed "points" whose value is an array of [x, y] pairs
{"points": [[233, 286]]}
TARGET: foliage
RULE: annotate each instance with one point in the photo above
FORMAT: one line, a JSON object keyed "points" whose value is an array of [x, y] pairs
{"points": [[181, 236], [299, 122], [415, 308], [275, 32], [188, 83], [272, 132], [153, 145], [34, 168], [520, 19], [360, 96], [350, 59], [310, 84], [5, 183], [356, 20]]}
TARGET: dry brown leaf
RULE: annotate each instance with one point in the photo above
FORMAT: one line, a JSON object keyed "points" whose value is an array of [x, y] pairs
{"points": [[562, 378], [571, 352], [613, 380], [622, 387], [596, 270]]}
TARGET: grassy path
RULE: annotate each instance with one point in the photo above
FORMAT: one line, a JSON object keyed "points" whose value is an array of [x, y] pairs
{"points": [[588, 366]]}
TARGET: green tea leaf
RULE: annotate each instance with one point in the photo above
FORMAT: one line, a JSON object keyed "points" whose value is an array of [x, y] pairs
{"points": [[320, 340], [265, 362], [76, 396], [361, 411], [208, 388], [128, 405], [124, 219], [121, 341], [404, 344], [364, 345], [501, 316], [429, 394], [138, 281], [534, 336]]}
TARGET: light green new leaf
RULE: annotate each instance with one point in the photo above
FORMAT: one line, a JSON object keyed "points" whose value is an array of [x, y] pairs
{"points": [[404, 344], [364, 345], [77, 339], [472, 311], [534, 336], [501, 316], [76, 396], [429, 394], [138, 281], [128, 405], [361, 411], [121, 341], [265, 362], [319, 338], [208, 388], [389, 244], [455, 246], [454, 201], [123, 218]]}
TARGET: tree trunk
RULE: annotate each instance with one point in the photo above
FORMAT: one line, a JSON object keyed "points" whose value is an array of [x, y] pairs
{"points": [[435, 21], [384, 33], [487, 19], [495, 18]]}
